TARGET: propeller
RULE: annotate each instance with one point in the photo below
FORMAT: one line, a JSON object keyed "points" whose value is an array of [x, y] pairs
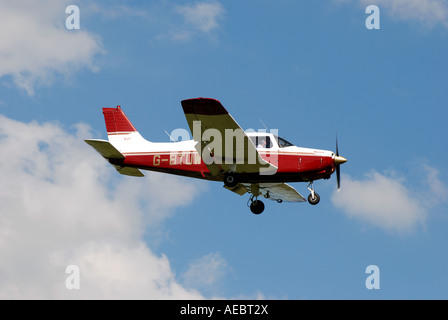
{"points": [[338, 160]]}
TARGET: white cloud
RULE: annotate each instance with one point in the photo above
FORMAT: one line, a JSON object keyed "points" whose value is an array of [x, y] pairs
{"points": [[113, 11], [200, 18], [206, 271], [437, 192], [62, 204], [382, 200], [35, 46], [427, 12]]}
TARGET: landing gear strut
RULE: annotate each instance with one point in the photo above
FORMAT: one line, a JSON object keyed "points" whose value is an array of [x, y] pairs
{"points": [[256, 206], [314, 197]]}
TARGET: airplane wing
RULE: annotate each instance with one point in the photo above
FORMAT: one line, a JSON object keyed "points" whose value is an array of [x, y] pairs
{"points": [[108, 151], [273, 191], [281, 191], [222, 143]]}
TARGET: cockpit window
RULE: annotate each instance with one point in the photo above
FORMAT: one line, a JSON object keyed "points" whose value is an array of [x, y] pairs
{"points": [[262, 141], [283, 143]]}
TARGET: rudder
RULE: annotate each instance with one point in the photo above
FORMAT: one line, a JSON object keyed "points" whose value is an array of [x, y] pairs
{"points": [[121, 132], [117, 122]]}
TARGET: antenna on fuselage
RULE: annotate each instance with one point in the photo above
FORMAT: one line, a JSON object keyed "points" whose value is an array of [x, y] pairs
{"points": [[171, 138], [263, 125]]}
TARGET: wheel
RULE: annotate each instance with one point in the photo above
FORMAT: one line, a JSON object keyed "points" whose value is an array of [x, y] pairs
{"points": [[257, 207], [230, 180], [315, 200]]}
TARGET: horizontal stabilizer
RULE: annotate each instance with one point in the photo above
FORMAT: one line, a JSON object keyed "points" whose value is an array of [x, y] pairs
{"points": [[105, 148], [108, 151], [128, 171]]}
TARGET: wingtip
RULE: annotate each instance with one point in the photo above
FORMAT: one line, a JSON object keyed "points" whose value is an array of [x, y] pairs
{"points": [[203, 106]]}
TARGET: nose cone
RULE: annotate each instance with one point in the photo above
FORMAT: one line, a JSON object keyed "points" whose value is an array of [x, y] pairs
{"points": [[338, 160]]}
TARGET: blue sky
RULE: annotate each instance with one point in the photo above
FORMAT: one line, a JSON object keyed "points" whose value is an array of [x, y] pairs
{"points": [[307, 68]]}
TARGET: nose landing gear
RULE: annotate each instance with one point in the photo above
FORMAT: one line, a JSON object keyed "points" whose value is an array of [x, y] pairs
{"points": [[314, 197]]}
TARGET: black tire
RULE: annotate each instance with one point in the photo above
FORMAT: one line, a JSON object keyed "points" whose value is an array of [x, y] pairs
{"points": [[257, 207], [230, 180], [315, 200]]}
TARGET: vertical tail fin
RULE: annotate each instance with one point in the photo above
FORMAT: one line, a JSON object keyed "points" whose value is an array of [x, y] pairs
{"points": [[117, 122], [121, 132]]}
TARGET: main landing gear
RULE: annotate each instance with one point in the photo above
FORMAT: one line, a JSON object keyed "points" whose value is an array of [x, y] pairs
{"points": [[314, 197], [256, 206], [230, 180]]}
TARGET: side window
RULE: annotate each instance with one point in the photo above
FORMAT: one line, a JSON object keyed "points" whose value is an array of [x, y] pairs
{"points": [[268, 142], [263, 142], [254, 140]]}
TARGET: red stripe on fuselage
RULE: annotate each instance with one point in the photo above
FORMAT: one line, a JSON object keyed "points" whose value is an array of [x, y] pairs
{"points": [[291, 166]]}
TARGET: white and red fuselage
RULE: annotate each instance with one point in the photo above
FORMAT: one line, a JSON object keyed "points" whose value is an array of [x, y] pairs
{"points": [[258, 163], [294, 164]]}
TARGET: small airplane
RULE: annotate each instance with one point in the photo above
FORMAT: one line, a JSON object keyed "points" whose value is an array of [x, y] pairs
{"points": [[258, 163]]}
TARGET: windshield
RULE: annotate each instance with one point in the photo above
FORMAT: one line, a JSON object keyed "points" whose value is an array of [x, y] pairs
{"points": [[282, 143]]}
